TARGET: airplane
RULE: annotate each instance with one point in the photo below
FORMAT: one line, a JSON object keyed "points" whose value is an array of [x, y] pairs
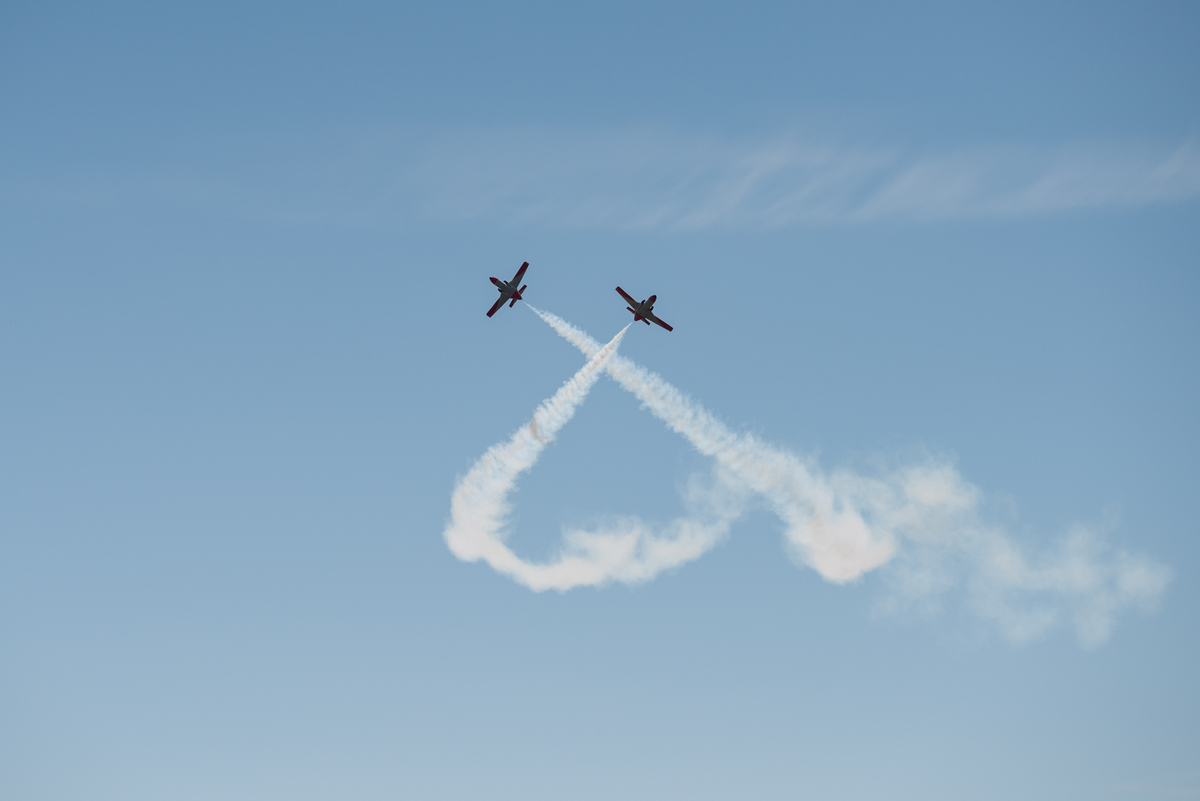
{"points": [[508, 289], [643, 311]]}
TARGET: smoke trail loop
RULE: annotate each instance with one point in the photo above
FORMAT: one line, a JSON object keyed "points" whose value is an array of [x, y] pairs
{"points": [[844, 525], [479, 505]]}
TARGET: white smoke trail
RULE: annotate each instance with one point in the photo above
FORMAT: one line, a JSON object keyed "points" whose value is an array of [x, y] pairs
{"points": [[926, 518], [825, 527], [629, 552], [479, 504]]}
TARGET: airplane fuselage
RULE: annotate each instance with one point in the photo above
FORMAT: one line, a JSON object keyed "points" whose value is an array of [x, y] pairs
{"points": [[510, 291], [643, 310], [507, 290]]}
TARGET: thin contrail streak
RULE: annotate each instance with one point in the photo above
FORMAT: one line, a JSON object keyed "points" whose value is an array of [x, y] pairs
{"points": [[479, 505]]}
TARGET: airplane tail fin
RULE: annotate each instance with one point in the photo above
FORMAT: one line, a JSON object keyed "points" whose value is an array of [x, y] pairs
{"points": [[517, 296]]}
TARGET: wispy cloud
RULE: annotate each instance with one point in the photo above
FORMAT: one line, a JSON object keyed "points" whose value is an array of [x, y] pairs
{"points": [[626, 179], [660, 181]]}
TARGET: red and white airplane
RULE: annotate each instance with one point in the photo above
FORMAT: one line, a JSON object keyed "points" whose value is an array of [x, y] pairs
{"points": [[643, 311], [508, 290]]}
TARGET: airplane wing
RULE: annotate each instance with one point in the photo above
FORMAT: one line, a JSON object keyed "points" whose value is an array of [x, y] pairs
{"points": [[496, 305], [654, 319], [625, 295], [520, 273]]}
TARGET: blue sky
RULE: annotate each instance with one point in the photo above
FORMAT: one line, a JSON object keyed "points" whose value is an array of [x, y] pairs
{"points": [[939, 262]]}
